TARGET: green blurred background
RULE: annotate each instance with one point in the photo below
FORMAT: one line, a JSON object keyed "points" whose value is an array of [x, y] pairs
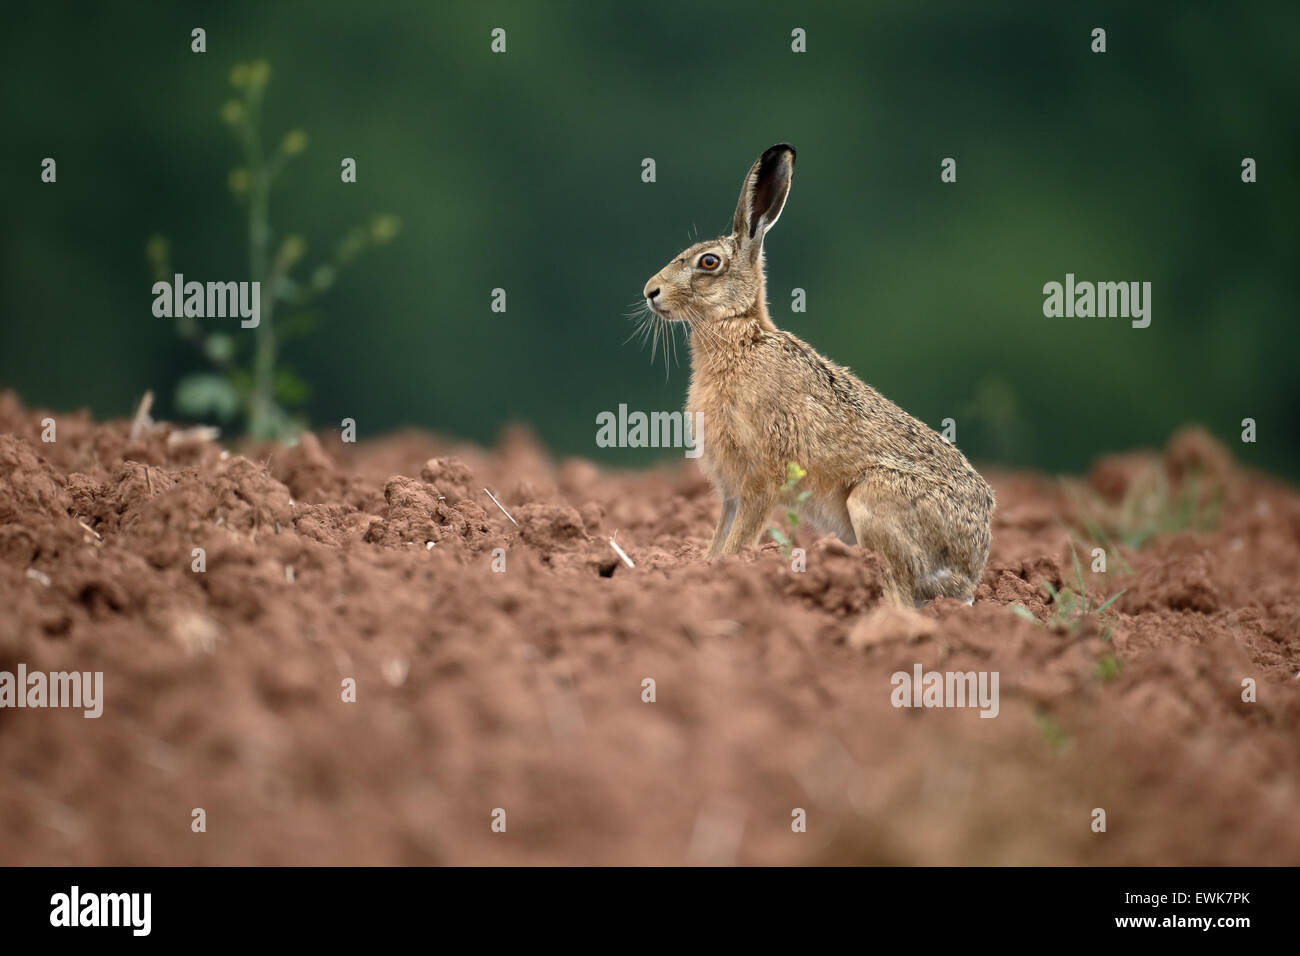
{"points": [[523, 171]]}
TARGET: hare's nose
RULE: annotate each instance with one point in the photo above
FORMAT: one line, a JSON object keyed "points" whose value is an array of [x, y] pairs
{"points": [[651, 293]]}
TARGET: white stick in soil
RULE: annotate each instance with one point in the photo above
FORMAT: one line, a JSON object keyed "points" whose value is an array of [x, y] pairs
{"points": [[502, 507], [621, 553], [141, 421]]}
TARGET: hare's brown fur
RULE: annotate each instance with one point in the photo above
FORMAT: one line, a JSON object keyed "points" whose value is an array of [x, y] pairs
{"points": [[877, 476]]}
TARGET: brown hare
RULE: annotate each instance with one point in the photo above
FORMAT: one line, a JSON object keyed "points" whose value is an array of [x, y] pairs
{"points": [[877, 477]]}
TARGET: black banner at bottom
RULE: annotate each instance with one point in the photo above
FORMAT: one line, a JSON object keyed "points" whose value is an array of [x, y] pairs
{"points": [[937, 905]]}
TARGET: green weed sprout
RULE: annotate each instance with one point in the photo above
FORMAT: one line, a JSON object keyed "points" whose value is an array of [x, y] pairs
{"points": [[250, 380], [1069, 608], [1051, 729], [1151, 507], [1108, 668], [790, 491]]}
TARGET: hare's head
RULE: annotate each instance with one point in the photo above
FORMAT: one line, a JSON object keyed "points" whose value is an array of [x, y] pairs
{"points": [[723, 278]]}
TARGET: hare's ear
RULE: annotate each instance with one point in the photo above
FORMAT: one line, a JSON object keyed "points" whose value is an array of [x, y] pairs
{"points": [[762, 196]]}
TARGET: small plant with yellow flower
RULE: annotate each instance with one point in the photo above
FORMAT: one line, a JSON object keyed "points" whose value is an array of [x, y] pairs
{"points": [[794, 497]]}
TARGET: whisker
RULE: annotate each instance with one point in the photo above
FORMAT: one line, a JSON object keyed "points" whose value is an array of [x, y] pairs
{"points": [[673, 337], [640, 328], [697, 323], [668, 337], [661, 333], [670, 347]]}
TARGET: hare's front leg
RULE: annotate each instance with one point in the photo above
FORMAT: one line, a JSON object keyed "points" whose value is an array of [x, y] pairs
{"points": [[750, 516], [724, 525]]}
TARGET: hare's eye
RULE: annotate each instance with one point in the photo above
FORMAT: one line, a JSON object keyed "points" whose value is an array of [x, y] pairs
{"points": [[709, 261]]}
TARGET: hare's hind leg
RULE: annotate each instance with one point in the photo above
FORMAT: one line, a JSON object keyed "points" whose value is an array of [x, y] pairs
{"points": [[724, 526], [877, 523]]}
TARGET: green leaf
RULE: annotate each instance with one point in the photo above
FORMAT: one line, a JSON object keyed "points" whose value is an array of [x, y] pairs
{"points": [[1078, 573], [1109, 602], [241, 381], [1024, 612], [207, 394], [322, 278], [296, 325], [1051, 730], [219, 347], [286, 290], [273, 422], [290, 389], [1108, 668]]}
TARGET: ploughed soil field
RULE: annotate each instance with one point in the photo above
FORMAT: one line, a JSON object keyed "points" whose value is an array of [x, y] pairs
{"points": [[371, 571]]}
